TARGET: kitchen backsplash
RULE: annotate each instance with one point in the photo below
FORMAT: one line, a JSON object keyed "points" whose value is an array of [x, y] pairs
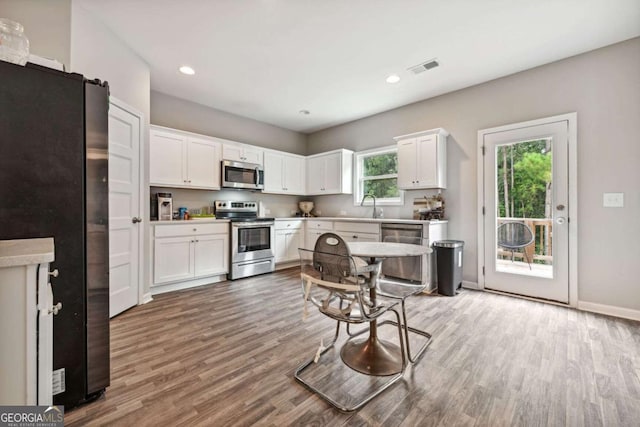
{"points": [[280, 206]]}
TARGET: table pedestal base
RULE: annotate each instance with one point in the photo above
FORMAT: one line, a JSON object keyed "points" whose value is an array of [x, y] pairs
{"points": [[372, 356]]}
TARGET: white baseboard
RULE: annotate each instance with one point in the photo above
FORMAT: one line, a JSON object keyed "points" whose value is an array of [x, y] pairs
{"points": [[470, 285], [170, 287], [146, 298], [611, 310]]}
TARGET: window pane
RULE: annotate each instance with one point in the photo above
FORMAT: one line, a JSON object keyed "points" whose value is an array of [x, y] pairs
{"points": [[382, 188], [382, 164]]}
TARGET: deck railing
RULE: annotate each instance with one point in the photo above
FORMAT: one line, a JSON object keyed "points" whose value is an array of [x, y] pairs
{"points": [[540, 249]]}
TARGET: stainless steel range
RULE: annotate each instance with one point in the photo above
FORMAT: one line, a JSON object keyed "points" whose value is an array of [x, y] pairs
{"points": [[252, 238]]}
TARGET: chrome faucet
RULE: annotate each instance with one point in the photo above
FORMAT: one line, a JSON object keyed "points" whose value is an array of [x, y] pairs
{"points": [[375, 213]]}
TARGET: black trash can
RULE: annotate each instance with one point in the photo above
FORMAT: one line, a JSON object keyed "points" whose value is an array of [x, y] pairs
{"points": [[449, 266]]}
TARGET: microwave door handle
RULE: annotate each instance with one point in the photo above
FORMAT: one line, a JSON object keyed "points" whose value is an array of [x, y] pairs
{"points": [[257, 176]]}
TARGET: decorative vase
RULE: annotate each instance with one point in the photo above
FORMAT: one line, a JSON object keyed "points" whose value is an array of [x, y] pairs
{"points": [[14, 45]]}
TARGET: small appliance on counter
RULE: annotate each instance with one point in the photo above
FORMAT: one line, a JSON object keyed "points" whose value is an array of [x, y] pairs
{"points": [[162, 207], [306, 207], [429, 208]]}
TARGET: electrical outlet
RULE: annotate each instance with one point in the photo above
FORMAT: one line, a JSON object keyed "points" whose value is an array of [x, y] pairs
{"points": [[613, 200]]}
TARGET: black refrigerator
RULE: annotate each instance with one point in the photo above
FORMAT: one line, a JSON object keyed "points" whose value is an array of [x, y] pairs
{"points": [[54, 183]]}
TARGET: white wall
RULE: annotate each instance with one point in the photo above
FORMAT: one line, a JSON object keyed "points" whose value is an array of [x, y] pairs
{"points": [[97, 52], [603, 87], [47, 25]]}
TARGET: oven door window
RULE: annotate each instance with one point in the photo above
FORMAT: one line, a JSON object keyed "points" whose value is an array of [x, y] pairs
{"points": [[254, 239], [239, 175]]}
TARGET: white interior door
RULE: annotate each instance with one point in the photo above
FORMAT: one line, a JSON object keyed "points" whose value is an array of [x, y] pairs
{"points": [[526, 204], [124, 207]]}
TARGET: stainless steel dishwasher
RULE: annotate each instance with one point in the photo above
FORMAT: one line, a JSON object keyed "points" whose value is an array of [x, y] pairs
{"points": [[405, 268]]}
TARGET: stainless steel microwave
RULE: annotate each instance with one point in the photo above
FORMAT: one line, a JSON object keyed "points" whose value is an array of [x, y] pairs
{"points": [[242, 175]]}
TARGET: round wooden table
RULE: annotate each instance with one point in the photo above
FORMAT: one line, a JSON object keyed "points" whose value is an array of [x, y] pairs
{"points": [[372, 355]]}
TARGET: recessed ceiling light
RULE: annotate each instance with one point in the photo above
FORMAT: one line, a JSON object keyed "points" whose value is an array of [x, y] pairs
{"points": [[393, 78], [305, 112], [185, 69]]}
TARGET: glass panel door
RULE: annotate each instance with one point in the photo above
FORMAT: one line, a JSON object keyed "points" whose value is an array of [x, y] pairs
{"points": [[526, 193]]}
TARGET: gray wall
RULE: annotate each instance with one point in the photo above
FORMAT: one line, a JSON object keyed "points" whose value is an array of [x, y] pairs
{"points": [[603, 87], [177, 113], [47, 24]]}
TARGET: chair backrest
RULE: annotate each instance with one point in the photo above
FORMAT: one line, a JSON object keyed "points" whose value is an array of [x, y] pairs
{"points": [[514, 235], [332, 258]]}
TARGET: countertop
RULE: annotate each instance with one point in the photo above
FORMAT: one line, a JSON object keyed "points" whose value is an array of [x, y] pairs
{"points": [[353, 219], [19, 252], [315, 218]]}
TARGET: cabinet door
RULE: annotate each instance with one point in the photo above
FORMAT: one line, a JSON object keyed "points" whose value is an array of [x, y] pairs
{"points": [[232, 152], [312, 238], [295, 240], [294, 178], [252, 155], [281, 245], [333, 174], [203, 163], [427, 173], [315, 175], [167, 158], [173, 259], [211, 255], [407, 163], [273, 173]]}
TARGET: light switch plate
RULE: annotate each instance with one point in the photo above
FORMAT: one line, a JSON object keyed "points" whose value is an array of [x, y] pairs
{"points": [[613, 200]]}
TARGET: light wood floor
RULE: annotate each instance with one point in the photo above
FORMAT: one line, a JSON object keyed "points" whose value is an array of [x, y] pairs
{"points": [[224, 354]]}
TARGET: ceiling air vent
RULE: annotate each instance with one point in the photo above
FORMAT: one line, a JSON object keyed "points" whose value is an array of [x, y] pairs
{"points": [[417, 69]]}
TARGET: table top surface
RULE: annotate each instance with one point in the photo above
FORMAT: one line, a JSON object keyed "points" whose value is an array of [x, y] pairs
{"points": [[386, 249]]}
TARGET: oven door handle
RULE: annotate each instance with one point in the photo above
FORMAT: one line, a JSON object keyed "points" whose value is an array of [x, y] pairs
{"points": [[252, 224]]}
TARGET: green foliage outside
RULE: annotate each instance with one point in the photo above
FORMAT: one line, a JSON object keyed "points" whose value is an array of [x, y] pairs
{"points": [[525, 168], [383, 164]]}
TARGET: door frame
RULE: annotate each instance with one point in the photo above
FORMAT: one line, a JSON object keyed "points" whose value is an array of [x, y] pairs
{"points": [[141, 266], [572, 120]]}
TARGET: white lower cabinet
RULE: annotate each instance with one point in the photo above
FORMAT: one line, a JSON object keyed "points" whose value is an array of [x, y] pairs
{"points": [[357, 231], [184, 252], [289, 237]]}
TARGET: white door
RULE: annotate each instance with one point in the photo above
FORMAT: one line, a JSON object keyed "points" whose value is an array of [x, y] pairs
{"points": [[526, 205], [124, 207]]}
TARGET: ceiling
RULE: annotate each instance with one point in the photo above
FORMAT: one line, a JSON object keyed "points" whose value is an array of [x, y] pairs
{"points": [[269, 59]]}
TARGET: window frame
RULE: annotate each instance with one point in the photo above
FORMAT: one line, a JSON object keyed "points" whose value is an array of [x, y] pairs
{"points": [[358, 179]]}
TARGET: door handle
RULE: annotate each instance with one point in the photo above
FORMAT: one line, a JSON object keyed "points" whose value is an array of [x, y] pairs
{"points": [[561, 220], [136, 219], [560, 207]]}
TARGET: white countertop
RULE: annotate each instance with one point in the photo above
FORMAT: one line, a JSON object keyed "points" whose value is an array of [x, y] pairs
{"points": [[190, 221], [366, 219], [19, 252]]}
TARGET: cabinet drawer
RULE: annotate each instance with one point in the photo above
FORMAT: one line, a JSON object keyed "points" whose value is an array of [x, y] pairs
{"points": [[294, 224], [190, 229], [357, 227], [319, 225]]}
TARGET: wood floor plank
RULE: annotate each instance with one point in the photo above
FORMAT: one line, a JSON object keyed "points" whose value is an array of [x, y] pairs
{"points": [[224, 354]]}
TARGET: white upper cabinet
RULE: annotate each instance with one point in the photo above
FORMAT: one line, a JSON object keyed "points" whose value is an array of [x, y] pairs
{"points": [[330, 173], [283, 173], [242, 153], [181, 160], [422, 159]]}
